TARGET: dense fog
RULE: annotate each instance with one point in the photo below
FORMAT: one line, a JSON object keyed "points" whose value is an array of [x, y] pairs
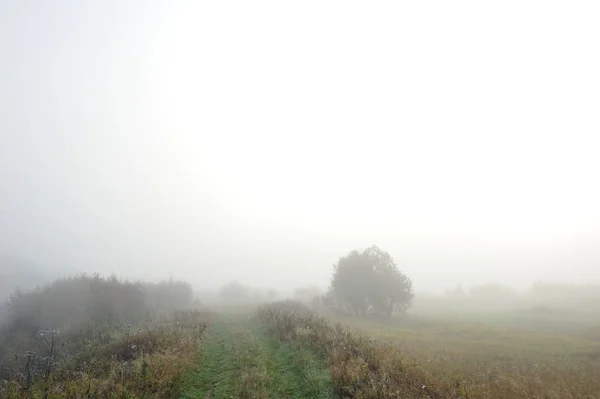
{"points": [[152, 140]]}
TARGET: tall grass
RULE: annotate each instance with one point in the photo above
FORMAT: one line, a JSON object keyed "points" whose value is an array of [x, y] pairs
{"points": [[361, 367], [472, 362], [142, 361]]}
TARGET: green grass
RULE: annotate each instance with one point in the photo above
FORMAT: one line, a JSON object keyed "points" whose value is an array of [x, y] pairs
{"points": [[294, 372], [238, 360], [214, 373]]}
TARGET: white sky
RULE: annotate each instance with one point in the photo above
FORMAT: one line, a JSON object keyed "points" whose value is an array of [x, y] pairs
{"points": [[260, 141]]}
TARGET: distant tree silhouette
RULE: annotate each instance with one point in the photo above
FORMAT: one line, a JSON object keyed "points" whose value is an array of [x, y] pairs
{"points": [[369, 282]]}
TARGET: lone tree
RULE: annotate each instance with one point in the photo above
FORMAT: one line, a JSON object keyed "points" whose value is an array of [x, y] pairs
{"points": [[370, 282]]}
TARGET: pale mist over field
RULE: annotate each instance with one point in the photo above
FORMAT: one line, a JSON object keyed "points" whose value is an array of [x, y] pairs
{"points": [[261, 141]]}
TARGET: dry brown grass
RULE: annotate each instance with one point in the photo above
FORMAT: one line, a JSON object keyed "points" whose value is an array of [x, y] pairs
{"points": [[466, 361], [360, 366], [498, 362]]}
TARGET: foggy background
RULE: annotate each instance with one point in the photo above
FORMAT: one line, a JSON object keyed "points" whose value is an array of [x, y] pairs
{"points": [[260, 142]]}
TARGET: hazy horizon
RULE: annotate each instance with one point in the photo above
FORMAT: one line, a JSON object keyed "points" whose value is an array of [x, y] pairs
{"points": [[260, 142]]}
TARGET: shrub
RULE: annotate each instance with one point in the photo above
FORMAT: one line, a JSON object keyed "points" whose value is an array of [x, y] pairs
{"points": [[72, 303]]}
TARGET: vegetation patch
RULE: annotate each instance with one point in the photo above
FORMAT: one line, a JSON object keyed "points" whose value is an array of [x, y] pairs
{"points": [[95, 354], [239, 360], [441, 360], [360, 366]]}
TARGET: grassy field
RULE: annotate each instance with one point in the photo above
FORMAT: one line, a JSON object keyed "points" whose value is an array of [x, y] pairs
{"points": [[494, 361], [284, 350], [437, 358]]}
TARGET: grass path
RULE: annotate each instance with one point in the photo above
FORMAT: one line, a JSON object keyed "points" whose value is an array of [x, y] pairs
{"points": [[240, 361]]}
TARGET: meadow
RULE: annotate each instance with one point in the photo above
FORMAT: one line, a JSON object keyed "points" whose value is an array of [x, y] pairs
{"points": [[120, 339], [449, 357]]}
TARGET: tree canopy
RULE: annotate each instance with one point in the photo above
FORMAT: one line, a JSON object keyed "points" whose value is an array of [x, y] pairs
{"points": [[369, 281]]}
